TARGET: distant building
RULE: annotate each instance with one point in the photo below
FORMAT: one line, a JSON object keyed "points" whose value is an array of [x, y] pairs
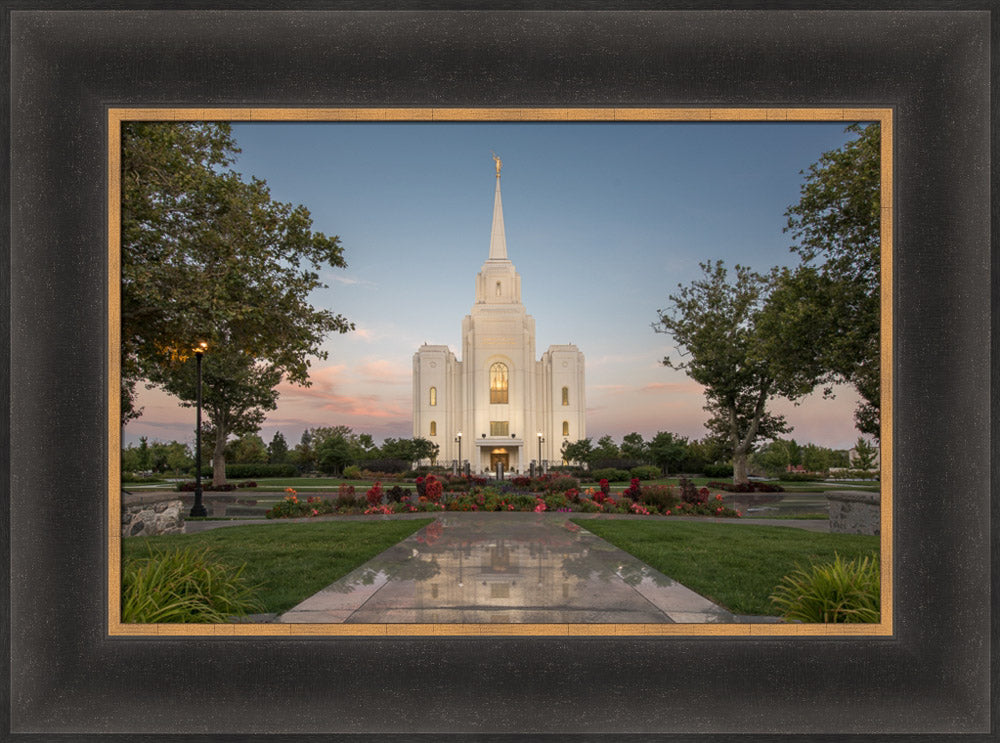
{"points": [[499, 400]]}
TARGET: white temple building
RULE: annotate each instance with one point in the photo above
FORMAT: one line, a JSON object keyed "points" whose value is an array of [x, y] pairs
{"points": [[499, 404]]}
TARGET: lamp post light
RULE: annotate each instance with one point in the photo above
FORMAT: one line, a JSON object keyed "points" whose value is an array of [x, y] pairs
{"points": [[198, 509], [541, 440], [458, 439]]}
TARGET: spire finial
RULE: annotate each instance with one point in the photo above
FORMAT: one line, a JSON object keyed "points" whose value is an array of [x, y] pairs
{"points": [[498, 241]]}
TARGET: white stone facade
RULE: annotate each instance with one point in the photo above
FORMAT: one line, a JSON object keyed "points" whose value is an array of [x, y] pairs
{"points": [[499, 399]]}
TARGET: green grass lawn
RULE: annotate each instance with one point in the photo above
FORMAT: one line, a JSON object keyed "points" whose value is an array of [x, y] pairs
{"points": [[290, 562], [736, 566]]}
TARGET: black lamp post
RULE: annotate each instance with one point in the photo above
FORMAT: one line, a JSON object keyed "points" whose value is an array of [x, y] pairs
{"points": [[198, 509], [541, 440], [458, 438]]}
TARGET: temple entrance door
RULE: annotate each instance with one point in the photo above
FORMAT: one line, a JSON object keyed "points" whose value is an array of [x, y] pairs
{"points": [[502, 456]]}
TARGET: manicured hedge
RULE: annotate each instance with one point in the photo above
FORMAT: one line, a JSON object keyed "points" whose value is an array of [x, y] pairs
{"points": [[611, 474], [646, 472], [245, 471], [800, 476], [718, 470]]}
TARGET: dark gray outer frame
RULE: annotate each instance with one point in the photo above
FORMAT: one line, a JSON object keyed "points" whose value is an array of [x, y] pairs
{"points": [[931, 680]]}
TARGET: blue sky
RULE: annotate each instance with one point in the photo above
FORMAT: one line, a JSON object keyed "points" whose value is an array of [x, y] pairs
{"points": [[603, 221]]}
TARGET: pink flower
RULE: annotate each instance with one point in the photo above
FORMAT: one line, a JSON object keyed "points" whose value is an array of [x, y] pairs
{"points": [[315, 512], [718, 497]]}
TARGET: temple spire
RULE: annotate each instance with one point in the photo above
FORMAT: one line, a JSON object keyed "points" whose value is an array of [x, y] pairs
{"points": [[498, 241]]}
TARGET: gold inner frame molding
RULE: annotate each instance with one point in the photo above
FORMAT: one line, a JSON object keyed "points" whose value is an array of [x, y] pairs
{"points": [[884, 116]]}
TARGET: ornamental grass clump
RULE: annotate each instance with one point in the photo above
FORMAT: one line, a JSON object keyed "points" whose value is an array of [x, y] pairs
{"points": [[837, 592], [184, 586]]}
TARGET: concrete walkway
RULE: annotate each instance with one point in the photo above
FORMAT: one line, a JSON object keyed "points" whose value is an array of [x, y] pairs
{"points": [[506, 568]]}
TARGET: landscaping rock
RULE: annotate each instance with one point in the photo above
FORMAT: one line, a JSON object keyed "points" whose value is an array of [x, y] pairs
{"points": [[165, 517], [855, 513]]}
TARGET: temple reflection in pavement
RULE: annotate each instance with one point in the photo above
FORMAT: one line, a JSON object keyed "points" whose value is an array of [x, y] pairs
{"points": [[506, 568]]}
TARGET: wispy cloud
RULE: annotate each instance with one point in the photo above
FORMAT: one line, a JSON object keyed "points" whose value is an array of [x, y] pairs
{"points": [[623, 358], [382, 371], [682, 387], [337, 278]]}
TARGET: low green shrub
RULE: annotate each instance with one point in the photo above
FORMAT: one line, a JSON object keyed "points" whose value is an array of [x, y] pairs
{"points": [[662, 497], [352, 472], [854, 474], [611, 474], [717, 470], [555, 501], [292, 507], [248, 471], [184, 586], [800, 476], [646, 472], [614, 463], [134, 478], [387, 466], [842, 592]]}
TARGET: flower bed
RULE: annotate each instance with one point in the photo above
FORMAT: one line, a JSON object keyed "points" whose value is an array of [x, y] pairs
{"points": [[643, 500]]}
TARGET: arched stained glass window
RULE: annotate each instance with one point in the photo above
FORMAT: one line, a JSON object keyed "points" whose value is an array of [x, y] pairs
{"points": [[434, 396], [565, 396], [434, 426], [565, 428], [498, 383]]}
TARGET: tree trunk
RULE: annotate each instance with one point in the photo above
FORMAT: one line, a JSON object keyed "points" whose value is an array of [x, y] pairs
{"points": [[740, 467], [219, 458]]}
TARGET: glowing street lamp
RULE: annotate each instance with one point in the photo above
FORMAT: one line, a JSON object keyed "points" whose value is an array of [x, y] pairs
{"points": [[458, 440], [198, 509], [541, 440]]}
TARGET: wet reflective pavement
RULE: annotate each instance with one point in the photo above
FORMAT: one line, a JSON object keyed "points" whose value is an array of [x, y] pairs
{"points": [[507, 568]]}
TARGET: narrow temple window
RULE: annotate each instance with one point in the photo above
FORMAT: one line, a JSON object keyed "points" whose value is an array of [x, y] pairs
{"points": [[498, 383]]}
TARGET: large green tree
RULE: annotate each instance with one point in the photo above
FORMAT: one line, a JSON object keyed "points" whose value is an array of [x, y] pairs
{"points": [[407, 450], [864, 455], [237, 393], [667, 451], [208, 256], [581, 451], [605, 449], [635, 447], [836, 227], [277, 450], [744, 348], [247, 449]]}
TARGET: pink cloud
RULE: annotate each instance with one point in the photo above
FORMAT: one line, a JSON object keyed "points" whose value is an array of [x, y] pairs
{"points": [[683, 387], [384, 372]]}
